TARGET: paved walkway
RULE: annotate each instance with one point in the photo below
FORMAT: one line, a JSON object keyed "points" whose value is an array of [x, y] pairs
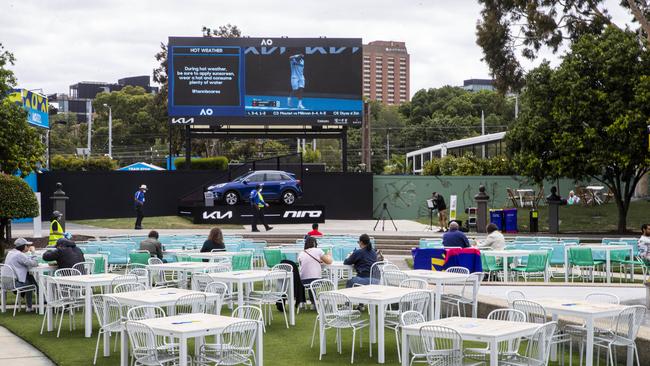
{"points": [[15, 351]]}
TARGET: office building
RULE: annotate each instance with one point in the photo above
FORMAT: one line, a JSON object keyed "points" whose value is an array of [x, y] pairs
{"points": [[386, 72], [478, 84]]}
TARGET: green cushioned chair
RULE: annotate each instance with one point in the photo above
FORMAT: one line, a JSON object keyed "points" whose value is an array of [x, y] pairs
{"points": [[242, 262], [139, 258], [272, 257], [583, 258], [536, 264], [490, 265]]}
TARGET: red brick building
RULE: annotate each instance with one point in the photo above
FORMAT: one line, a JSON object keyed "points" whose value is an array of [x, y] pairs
{"points": [[386, 72]]}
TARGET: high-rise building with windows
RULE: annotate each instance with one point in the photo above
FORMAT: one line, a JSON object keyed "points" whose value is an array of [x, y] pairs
{"points": [[386, 72]]}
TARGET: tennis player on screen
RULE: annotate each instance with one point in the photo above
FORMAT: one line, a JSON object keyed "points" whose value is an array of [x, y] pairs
{"points": [[297, 65]]}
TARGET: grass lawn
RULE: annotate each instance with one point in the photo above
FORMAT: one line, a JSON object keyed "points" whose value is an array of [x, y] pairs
{"points": [[602, 219], [282, 346], [156, 222]]}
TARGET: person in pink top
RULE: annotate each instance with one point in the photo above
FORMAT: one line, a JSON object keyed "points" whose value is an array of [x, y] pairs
{"points": [[310, 261]]}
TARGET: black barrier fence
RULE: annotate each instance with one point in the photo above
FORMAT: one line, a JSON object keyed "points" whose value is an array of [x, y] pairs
{"points": [[243, 214], [98, 195]]}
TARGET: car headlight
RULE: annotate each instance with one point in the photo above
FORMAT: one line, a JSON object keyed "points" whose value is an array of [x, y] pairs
{"points": [[220, 185]]}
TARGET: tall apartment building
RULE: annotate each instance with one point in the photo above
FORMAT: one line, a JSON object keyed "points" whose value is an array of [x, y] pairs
{"points": [[386, 72]]}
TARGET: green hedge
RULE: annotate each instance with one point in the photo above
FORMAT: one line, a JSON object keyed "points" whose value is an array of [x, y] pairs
{"points": [[216, 163], [468, 165], [73, 163], [16, 198]]}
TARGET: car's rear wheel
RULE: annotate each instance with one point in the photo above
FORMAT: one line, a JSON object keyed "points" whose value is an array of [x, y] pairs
{"points": [[289, 197], [231, 198]]}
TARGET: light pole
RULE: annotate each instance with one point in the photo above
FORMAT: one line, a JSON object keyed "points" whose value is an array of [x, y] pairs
{"points": [[110, 131]]}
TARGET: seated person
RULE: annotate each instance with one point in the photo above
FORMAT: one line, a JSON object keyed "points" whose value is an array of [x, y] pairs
{"points": [[21, 259], [215, 241], [152, 245], [362, 259], [494, 239], [310, 260], [572, 199], [66, 254], [314, 231], [454, 237]]}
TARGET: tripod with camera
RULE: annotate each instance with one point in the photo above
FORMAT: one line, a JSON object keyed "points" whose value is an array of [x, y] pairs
{"points": [[382, 217]]}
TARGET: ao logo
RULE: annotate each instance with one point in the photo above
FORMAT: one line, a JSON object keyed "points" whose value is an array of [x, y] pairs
{"points": [[206, 112], [267, 42], [312, 214], [217, 215]]}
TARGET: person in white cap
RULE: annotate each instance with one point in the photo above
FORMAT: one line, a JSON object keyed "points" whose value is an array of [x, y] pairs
{"points": [[139, 205], [21, 259]]}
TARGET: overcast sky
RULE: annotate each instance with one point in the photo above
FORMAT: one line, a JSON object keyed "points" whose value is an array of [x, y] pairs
{"points": [[58, 43]]}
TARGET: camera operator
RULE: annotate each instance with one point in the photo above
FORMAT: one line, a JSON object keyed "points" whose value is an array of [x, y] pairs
{"points": [[440, 205]]}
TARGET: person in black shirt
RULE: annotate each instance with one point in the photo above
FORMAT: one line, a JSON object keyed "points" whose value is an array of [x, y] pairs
{"points": [[441, 206], [362, 259], [215, 241]]}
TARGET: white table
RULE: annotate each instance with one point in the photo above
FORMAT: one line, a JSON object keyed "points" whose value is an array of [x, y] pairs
{"points": [[163, 297], [182, 268], [473, 329], [505, 254], [87, 282], [377, 297], [594, 248], [38, 272], [589, 312], [439, 279], [522, 193], [240, 278], [184, 327], [212, 255], [594, 190], [337, 271]]}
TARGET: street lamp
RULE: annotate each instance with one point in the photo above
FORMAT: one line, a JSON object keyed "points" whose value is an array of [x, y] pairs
{"points": [[110, 131]]}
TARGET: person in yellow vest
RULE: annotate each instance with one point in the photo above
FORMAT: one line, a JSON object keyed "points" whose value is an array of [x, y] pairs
{"points": [[258, 205], [56, 230]]}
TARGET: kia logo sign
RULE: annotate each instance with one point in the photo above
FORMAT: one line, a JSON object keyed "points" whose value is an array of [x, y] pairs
{"points": [[312, 214], [217, 215]]}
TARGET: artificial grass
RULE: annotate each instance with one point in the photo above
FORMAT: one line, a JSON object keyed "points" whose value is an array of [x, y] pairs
{"points": [[155, 222], [282, 346]]}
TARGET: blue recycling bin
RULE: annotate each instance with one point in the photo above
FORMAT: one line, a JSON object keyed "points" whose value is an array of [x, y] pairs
{"points": [[496, 218], [510, 220]]}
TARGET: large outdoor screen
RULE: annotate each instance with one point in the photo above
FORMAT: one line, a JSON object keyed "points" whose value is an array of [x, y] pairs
{"points": [[265, 81]]}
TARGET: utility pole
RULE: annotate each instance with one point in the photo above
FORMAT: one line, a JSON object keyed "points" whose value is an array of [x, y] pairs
{"points": [[388, 144], [516, 106], [110, 130], [365, 138], [89, 110], [482, 133]]}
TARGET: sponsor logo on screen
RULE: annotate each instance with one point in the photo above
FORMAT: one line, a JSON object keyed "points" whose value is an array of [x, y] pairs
{"points": [[182, 120], [217, 215], [312, 214]]}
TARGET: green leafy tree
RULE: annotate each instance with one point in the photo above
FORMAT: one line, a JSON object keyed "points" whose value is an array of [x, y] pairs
{"points": [[587, 119], [20, 144], [16, 201], [509, 26], [66, 134]]}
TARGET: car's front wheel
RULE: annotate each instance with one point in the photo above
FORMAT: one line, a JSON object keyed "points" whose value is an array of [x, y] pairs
{"points": [[289, 197], [231, 198]]}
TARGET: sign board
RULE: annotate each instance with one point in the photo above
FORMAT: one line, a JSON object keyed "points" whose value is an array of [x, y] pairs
{"points": [[452, 207], [265, 81], [243, 214], [141, 166], [35, 104]]}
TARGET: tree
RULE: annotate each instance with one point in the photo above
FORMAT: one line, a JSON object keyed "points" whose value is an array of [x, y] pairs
{"points": [[587, 119], [20, 144], [16, 200], [222, 31], [531, 25]]}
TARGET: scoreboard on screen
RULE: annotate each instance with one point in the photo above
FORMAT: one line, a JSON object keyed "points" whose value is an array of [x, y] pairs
{"points": [[268, 81]]}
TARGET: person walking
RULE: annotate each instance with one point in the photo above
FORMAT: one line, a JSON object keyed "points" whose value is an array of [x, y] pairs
{"points": [[56, 230], [139, 206], [258, 205]]}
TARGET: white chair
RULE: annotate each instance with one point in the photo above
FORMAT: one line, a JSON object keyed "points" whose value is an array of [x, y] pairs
{"points": [[141, 273], [219, 267], [129, 287], [199, 281], [537, 350], [190, 304], [248, 312], [147, 349], [335, 312], [456, 269], [64, 272], [624, 333], [512, 295], [393, 278], [414, 301], [128, 278], [282, 267], [145, 312], [274, 289], [87, 267], [416, 283], [506, 348], [220, 289], [58, 302], [416, 346], [160, 277], [443, 345], [236, 347], [8, 282], [154, 261], [316, 288], [535, 313], [467, 295], [109, 317], [377, 269]]}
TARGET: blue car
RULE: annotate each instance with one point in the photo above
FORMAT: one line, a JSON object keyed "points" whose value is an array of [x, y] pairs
{"points": [[276, 186]]}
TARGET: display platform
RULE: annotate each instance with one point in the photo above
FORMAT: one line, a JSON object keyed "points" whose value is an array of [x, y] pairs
{"points": [[243, 214]]}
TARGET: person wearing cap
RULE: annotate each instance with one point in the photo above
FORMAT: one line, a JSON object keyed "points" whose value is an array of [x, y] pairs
{"points": [[139, 205], [66, 254], [258, 205], [21, 259], [56, 230]]}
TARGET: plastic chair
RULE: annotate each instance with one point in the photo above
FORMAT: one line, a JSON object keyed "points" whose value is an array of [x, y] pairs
{"points": [[624, 333], [274, 289], [414, 301], [536, 264], [220, 289], [109, 316], [8, 282], [86, 267], [145, 312], [129, 287], [393, 278], [58, 302], [416, 346], [443, 345], [506, 348], [537, 350], [415, 283], [335, 312], [283, 267], [64, 272], [272, 257], [139, 257], [582, 259], [236, 347], [512, 295], [147, 349], [316, 288], [242, 262], [127, 278], [377, 269], [190, 304]]}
